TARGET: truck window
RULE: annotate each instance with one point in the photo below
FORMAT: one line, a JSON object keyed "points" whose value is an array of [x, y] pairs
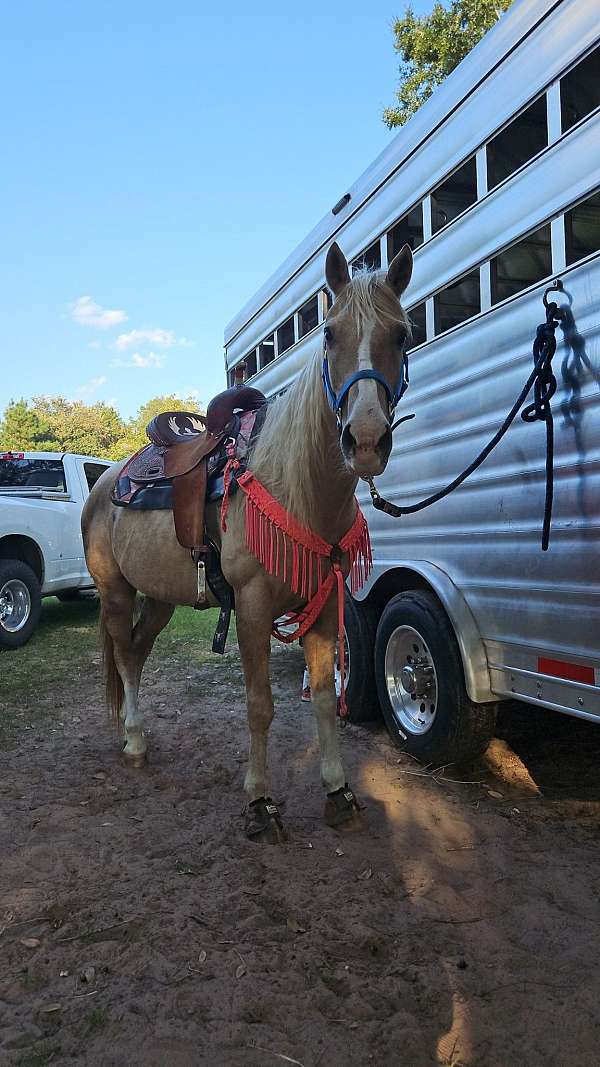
{"points": [[47, 474], [93, 472]]}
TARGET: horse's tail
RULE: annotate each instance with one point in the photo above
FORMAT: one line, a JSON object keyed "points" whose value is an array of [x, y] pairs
{"points": [[114, 685]]}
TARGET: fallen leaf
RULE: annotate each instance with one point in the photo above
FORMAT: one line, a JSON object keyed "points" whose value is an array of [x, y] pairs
{"points": [[100, 777], [63, 974], [88, 974], [202, 956], [240, 970], [294, 926], [50, 1008], [367, 873], [30, 942], [339, 852], [493, 793]]}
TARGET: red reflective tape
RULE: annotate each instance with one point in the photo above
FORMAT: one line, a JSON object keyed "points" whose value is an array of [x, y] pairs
{"points": [[573, 672]]}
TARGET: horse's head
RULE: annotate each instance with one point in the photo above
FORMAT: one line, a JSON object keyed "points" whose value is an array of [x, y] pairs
{"points": [[364, 366]]}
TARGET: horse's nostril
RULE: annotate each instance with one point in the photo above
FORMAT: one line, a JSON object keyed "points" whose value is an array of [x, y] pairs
{"points": [[384, 444], [347, 441]]}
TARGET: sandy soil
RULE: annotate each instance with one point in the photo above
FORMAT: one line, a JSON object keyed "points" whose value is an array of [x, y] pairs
{"points": [[139, 927]]}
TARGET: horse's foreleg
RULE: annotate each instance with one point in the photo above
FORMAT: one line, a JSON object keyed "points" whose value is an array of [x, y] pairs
{"points": [[253, 621], [319, 649]]}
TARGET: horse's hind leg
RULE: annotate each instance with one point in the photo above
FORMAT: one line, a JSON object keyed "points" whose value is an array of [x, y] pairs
{"points": [[319, 649], [128, 647], [130, 660]]}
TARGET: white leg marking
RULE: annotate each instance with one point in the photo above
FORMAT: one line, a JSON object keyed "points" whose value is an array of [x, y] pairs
{"points": [[332, 771], [135, 742]]}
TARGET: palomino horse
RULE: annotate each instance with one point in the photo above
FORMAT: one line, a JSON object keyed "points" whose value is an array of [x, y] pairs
{"points": [[326, 432]]}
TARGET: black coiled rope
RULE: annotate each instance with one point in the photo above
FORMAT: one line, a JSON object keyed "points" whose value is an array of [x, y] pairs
{"points": [[543, 381]]}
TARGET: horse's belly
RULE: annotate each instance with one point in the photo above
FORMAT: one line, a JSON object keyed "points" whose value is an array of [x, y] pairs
{"points": [[151, 559]]}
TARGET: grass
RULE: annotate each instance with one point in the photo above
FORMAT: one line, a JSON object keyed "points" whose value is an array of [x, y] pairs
{"points": [[96, 1020], [66, 646], [39, 1057]]}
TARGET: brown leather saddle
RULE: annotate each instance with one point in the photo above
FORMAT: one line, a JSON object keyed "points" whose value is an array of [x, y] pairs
{"points": [[185, 450]]}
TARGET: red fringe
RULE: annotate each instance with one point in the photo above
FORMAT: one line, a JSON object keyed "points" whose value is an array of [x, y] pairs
{"points": [[270, 528]]}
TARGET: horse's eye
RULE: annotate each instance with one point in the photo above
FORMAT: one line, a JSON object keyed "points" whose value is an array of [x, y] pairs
{"points": [[401, 337], [328, 335]]}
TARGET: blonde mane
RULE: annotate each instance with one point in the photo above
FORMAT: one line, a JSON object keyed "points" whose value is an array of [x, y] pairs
{"points": [[295, 445]]}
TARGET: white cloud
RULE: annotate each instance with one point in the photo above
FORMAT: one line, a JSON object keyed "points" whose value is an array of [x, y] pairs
{"points": [[151, 359], [87, 390], [157, 336], [94, 344], [87, 312]]}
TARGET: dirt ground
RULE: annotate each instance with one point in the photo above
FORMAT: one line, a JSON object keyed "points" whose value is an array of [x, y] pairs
{"points": [[139, 927]]}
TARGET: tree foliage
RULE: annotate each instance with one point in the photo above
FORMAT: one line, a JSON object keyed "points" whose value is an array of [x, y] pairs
{"points": [[55, 424], [432, 46]]}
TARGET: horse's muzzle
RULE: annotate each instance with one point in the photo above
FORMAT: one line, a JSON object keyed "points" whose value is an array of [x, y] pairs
{"points": [[366, 456]]}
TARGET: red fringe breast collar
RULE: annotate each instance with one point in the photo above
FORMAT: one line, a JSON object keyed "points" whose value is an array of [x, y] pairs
{"points": [[301, 558]]}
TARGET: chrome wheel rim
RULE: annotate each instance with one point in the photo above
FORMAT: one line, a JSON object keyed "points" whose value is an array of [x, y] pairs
{"points": [[411, 680], [15, 605]]}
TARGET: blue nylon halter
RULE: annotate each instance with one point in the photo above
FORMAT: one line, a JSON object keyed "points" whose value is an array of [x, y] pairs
{"points": [[335, 400]]}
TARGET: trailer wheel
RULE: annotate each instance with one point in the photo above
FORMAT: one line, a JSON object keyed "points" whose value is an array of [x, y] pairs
{"points": [[361, 691], [421, 686], [20, 603]]}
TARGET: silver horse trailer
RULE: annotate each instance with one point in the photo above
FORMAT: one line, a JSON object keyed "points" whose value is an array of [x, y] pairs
{"points": [[495, 183]]}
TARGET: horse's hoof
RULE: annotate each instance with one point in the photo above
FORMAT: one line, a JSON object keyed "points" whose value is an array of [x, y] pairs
{"points": [[135, 759], [342, 810], [263, 822]]}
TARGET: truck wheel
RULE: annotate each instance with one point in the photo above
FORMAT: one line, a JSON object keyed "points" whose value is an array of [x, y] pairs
{"points": [[20, 603], [421, 685], [361, 692]]}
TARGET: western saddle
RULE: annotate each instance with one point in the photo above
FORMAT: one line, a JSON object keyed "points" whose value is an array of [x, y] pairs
{"points": [[180, 469]]}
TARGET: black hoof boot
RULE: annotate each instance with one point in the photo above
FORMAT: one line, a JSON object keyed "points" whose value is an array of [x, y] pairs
{"points": [[342, 810], [263, 822]]}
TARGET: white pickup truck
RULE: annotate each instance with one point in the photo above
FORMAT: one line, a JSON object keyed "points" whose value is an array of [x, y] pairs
{"points": [[41, 550]]}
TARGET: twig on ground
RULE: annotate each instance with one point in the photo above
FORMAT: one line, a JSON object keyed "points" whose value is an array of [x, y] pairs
{"points": [[278, 1055], [92, 933]]}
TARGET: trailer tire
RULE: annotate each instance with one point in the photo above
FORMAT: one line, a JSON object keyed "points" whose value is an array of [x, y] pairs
{"points": [[421, 685], [361, 691], [20, 603]]}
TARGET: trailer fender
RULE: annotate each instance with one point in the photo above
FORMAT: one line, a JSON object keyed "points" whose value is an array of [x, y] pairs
{"points": [[470, 643]]}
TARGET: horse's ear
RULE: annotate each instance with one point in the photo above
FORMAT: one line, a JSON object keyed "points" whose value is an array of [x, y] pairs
{"points": [[400, 271], [336, 269]]}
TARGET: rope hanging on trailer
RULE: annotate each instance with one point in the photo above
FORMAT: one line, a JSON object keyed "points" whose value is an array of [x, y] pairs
{"points": [[543, 381]]}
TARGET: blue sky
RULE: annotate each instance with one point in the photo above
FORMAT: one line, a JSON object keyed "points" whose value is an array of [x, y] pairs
{"points": [[158, 163]]}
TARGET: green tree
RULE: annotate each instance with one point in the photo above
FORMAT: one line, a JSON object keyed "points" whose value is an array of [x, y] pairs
{"points": [[92, 429], [432, 46], [23, 430]]}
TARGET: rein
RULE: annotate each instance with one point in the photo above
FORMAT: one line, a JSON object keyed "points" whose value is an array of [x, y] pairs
{"points": [[543, 380]]}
